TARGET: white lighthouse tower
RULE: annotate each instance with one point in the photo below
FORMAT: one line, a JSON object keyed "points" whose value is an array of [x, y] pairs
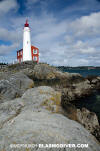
{"points": [[27, 56]]}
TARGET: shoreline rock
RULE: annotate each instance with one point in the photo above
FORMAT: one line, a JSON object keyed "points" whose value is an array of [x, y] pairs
{"points": [[34, 123], [70, 87]]}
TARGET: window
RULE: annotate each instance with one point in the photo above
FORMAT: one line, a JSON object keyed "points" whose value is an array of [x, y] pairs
{"points": [[35, 58], [34, 51]]}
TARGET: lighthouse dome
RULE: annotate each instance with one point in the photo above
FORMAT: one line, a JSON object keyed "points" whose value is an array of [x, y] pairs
{"points": [[26, 24]]}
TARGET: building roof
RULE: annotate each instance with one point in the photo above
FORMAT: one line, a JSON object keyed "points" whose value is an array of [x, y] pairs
{"points": [[33, 47]]}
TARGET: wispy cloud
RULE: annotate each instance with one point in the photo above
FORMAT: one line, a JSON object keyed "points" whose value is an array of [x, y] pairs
{"points": [[8, 5]]}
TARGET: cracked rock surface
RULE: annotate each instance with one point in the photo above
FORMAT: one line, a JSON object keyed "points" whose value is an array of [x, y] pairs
{"points": [[36, 118]]}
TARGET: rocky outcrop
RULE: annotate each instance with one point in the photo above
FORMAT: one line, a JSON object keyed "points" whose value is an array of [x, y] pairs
{"points": [[16, 79], [44, 71], [14, 86], [43, 74], [94, 81], [90, 121], [35, 119], [76, 91]]}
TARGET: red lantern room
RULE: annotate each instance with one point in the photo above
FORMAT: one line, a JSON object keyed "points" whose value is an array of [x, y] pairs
{"points": [[26, 24]]}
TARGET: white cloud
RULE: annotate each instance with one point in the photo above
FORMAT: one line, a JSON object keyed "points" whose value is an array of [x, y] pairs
{"points": [[6, 49], [63, 42], [88, 50], [86, 26], [7, 5], [10, 35], [83, 47]]}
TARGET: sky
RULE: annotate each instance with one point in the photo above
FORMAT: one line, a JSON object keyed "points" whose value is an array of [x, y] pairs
{"points": [[67, 32]]}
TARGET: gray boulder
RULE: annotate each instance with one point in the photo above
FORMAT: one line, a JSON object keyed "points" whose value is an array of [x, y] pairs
{"points": [[35, 123], [14, 86], [21, 81], [8, 91]]}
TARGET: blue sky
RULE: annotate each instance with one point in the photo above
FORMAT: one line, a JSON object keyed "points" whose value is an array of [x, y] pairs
{"points": [[67, 32]]}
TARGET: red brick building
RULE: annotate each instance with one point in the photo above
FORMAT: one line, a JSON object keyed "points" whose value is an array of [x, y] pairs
{"points": [[34, 52]]}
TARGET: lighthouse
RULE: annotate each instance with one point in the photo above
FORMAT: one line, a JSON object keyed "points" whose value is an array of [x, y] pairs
{"points": [[29, 52], [27, 56]]}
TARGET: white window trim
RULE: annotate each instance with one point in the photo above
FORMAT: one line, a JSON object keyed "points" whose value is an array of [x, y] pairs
{"points": [[34, 58], [34, 52]]}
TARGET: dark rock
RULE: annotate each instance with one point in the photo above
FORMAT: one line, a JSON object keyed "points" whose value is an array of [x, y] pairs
{"points": [[90, 121], [94, 81], [76, 91]]}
